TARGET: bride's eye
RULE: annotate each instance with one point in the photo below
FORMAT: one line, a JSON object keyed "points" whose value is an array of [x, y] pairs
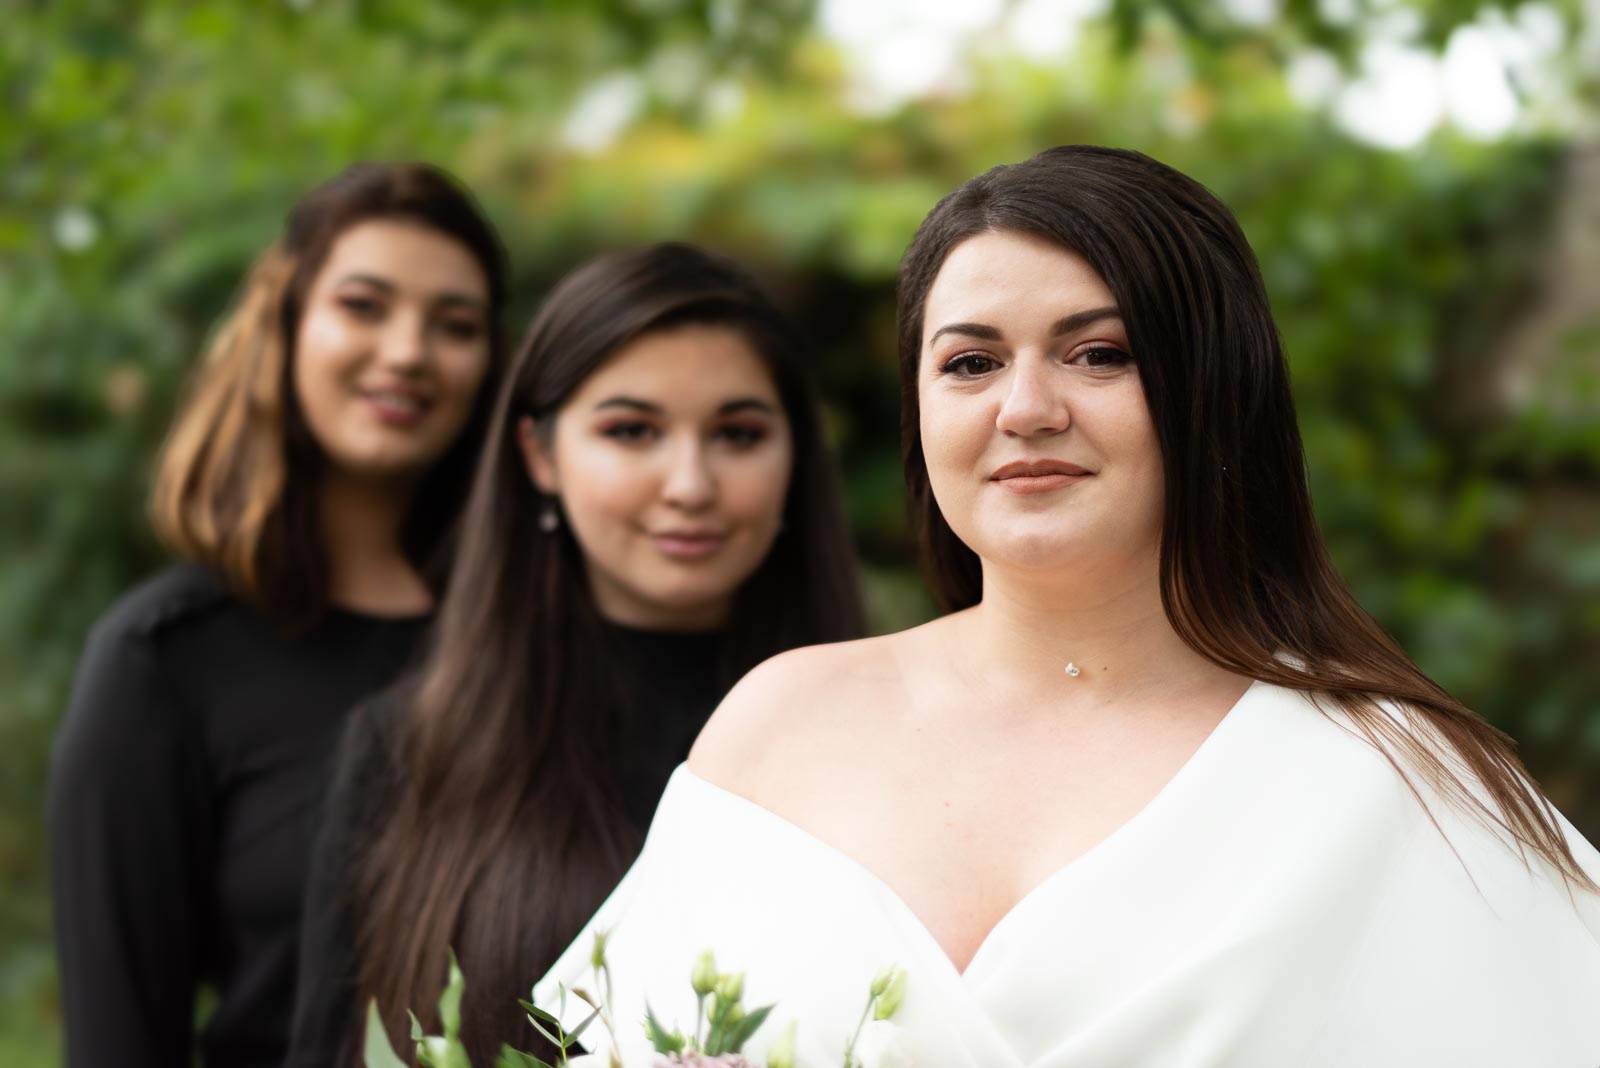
{"points": [[1101, 357], [969, 365]]}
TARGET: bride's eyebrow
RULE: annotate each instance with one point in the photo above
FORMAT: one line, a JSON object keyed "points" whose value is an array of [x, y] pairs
{"points": [[1065, 325], [1077, 321], [978, 330]]}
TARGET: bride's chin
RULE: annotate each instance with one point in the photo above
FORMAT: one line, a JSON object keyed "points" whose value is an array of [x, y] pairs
{"points": [[1039, 553]]}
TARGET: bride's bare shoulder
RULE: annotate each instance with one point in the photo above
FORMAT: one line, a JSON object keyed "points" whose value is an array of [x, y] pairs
{"points": [[797, 698]]}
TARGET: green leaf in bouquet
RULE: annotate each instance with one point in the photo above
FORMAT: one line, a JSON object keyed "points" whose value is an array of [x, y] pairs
{"points": [[450, 1000], [663, 1040], [721, 1029], [515, 1058], [428, 1053], [572, 1036], [741, 1032], [562, 1039], [533, 1010], [436, 1051], [375, 1049], [558, 1039]]}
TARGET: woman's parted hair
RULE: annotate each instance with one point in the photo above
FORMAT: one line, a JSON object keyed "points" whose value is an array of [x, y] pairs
{"points": [[1245, 576], [235, 485], [508, 831]]}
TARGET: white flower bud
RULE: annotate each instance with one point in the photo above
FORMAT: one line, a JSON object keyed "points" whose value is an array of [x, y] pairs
{"points": [[704, 976], [730, 988], [781, 1053], [882, 1046], [893, 994]]}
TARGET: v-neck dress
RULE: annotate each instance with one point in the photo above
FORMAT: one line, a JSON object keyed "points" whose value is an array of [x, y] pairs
{"points": [[1285, 900]]}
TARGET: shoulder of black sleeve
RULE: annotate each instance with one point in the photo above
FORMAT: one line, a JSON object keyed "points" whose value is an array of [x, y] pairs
{"points": [[176, 596], [123, 683]]}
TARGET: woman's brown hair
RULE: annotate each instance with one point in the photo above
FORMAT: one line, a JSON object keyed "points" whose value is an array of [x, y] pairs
{"points": [[508, 832], [235, 485], [1245, 576]]}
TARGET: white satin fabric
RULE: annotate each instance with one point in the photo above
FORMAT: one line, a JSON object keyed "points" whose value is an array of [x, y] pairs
{"points": [[1284, 901]]}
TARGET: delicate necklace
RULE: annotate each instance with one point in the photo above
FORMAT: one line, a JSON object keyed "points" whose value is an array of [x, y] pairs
{"points": [[1072, 669]]}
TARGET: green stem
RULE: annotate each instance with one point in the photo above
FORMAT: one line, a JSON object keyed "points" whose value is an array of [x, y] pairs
{"points": [[850, 1046]]}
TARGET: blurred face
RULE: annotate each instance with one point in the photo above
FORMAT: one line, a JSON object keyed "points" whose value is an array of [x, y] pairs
{"points": [[1040, 448], [391, 348], [672, 464]]}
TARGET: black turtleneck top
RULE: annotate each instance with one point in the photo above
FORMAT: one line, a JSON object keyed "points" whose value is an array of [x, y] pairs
{"points": [[671, 683], [184, 792]]}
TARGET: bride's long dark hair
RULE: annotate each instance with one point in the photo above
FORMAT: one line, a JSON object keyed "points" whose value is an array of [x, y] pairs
{"points": [[1245, 576], [508, 832]]}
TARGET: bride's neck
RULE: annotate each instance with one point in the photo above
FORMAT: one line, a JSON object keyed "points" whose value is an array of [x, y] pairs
{"points": [[1107, 622]]}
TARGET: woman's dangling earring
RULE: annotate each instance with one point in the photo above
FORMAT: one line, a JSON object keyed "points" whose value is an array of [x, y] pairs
{"points": [[549, 517]]}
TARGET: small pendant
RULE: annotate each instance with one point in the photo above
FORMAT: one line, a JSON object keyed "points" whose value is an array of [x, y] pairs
{"points": [[1072, 669]]}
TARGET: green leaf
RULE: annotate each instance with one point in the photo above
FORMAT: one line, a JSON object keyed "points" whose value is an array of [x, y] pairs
{"points": [[554, 1040], [534, 1010], [663, 1040], [742, 1031], [566, 1038], [450, 1000], [375, 1050], [576, 1031], [515, 1058]]}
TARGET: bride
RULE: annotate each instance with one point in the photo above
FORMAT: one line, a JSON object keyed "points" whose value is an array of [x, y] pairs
{"points": [[1156, 791]]}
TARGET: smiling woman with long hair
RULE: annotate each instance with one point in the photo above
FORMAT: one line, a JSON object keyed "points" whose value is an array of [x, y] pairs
{"points": [[1156, 791], [310, 483], [654, 513]]}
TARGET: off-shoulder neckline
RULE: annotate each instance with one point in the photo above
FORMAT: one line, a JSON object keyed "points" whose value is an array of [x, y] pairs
{"points": [[1205, 752]]}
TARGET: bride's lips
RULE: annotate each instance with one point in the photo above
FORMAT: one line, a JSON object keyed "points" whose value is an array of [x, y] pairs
{"points": [[687, 544], [1039, 476]]}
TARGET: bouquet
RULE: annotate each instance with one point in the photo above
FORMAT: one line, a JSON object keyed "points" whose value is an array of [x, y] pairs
{"points": [[722, 1026]]}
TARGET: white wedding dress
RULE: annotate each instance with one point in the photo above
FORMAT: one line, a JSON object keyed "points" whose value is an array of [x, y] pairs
{"points": [[1284, 901]]}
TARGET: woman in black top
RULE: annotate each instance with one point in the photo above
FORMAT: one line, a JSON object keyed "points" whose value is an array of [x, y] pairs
{"points": [[310, 480], [653, 514]]}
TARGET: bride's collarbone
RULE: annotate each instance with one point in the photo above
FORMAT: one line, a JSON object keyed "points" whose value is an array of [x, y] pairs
{"points": [[959, 859], [963, 811], [964, 828]]}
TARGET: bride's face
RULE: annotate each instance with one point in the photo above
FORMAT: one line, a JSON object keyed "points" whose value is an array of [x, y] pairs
{"points": [[1039, 445]]}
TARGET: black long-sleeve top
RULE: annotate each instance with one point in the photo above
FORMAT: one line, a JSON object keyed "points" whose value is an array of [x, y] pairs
{"points": [[671, 683], [184, 791]]}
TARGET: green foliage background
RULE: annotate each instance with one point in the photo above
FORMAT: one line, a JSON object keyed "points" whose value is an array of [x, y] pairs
{"points": [[150, 150]]}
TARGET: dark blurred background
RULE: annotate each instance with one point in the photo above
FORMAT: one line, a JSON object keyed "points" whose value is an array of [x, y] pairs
{"points": [[1421, 180]]}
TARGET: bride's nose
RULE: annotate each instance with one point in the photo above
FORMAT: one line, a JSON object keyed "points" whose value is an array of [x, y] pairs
{"points": [[1035, 401]]}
